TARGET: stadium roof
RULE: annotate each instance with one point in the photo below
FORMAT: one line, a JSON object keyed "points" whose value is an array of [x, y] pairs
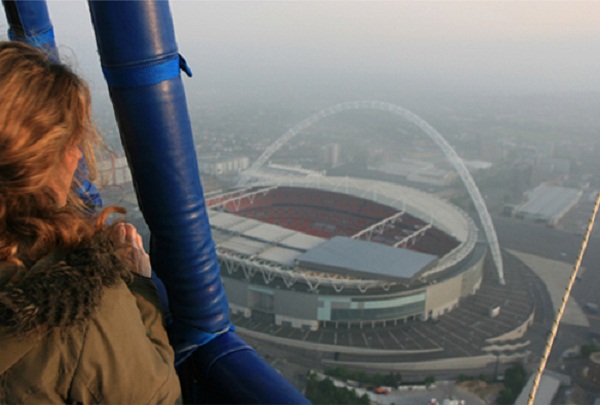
{"points": [[365, 259], [259, 239]]}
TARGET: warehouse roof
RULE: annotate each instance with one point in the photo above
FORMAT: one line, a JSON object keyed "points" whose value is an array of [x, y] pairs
{"points": [[548, 202]]}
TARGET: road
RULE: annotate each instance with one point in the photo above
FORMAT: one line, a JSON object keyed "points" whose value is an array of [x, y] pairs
{"points": [[557, 245], [562, 246], [442, 390]]}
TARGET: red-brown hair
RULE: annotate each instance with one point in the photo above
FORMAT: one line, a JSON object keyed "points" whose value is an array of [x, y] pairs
{"points": [[45, 109]]}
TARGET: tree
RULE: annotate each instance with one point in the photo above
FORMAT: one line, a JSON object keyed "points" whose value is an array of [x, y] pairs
{"points": [[429, 380], [587, 350], [325, 392], [506, 397], [391, 379], [515, 378]]}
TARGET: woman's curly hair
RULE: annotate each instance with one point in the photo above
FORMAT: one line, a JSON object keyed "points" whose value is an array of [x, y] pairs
{"points": [[45, 110]]}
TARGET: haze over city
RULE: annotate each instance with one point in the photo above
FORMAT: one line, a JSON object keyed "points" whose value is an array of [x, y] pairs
{"points": [[518, 47]]}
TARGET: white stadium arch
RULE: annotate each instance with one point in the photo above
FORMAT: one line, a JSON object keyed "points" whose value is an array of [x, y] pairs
{"points": [[413, 118]]}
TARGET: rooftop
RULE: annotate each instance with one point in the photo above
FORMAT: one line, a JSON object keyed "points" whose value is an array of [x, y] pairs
{"points": [[259, 239], [549, 202], [365, 259]]}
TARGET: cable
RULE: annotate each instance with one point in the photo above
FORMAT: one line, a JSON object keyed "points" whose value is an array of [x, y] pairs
{"points": [[561, 310]]}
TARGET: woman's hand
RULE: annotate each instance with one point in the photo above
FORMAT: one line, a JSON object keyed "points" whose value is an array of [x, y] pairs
{"points": [[128, 236]]}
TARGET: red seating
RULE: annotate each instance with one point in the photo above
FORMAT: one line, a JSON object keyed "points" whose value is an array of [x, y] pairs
{"points": [[327, 214]]}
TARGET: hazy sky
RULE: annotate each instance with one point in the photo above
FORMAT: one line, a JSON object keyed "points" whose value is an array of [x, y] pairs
{"points": [[483, 46]]}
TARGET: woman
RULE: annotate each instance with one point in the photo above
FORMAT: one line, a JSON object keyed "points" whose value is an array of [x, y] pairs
{"points": [[80, 319]]}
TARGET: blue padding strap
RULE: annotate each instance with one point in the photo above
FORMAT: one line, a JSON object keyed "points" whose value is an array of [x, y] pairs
{"points": [[183, 65], [137, 76], [185, 339], [87, 192], [38, 40]]}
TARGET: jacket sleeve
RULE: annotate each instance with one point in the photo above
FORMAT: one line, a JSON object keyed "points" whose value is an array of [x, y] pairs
{"points": [[126, 357], [149, 304]]}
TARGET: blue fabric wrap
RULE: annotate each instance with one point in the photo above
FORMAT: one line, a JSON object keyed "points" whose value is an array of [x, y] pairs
{"points": [[29, 22], [157, 138], [229, 371], [40, 40], [146, 75], [88, 193]]}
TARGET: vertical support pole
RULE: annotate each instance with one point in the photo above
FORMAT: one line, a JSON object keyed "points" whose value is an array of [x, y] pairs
{"points": [[140, 61], [29, 22]]}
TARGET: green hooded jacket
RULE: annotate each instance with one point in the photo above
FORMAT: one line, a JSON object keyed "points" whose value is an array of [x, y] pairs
{"points": [[78, 327]]}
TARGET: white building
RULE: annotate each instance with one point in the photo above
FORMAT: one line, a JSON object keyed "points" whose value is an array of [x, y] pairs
{"points": [[114, 172], [548, 204], [220, 165], [417, 172]]}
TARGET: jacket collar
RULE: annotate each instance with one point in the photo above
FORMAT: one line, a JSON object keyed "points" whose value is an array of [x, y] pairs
{"points": [[60, 290]]}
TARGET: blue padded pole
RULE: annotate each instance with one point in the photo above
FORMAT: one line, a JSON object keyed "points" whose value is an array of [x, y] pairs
{"points": [[137, 47], [29, 22]]}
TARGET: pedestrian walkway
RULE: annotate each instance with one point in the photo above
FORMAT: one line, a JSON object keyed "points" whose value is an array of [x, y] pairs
{"points": [[555, 275]]}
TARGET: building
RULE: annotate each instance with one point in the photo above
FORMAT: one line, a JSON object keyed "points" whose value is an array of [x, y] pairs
{"points": [[338, 269], [409, 256], [114, 172], [331, 155], [547, 388], [218, 165], [417, 172], [547, 204]]}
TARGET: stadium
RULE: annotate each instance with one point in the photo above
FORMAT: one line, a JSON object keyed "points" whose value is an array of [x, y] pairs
{"points": [[368, 273]]}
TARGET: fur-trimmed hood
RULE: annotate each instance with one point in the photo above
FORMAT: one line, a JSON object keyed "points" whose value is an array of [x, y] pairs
{"points": [[61, 290], [77, 334]]}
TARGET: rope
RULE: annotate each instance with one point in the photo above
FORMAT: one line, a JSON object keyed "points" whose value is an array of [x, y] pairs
{"points": [[561, 310]]}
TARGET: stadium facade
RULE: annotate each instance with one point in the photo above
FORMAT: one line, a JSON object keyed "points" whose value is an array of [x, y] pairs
{"points": [[319, 251]]}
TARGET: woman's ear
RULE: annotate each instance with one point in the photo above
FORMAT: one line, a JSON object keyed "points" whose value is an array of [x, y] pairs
{"points": [[73, 154]]}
